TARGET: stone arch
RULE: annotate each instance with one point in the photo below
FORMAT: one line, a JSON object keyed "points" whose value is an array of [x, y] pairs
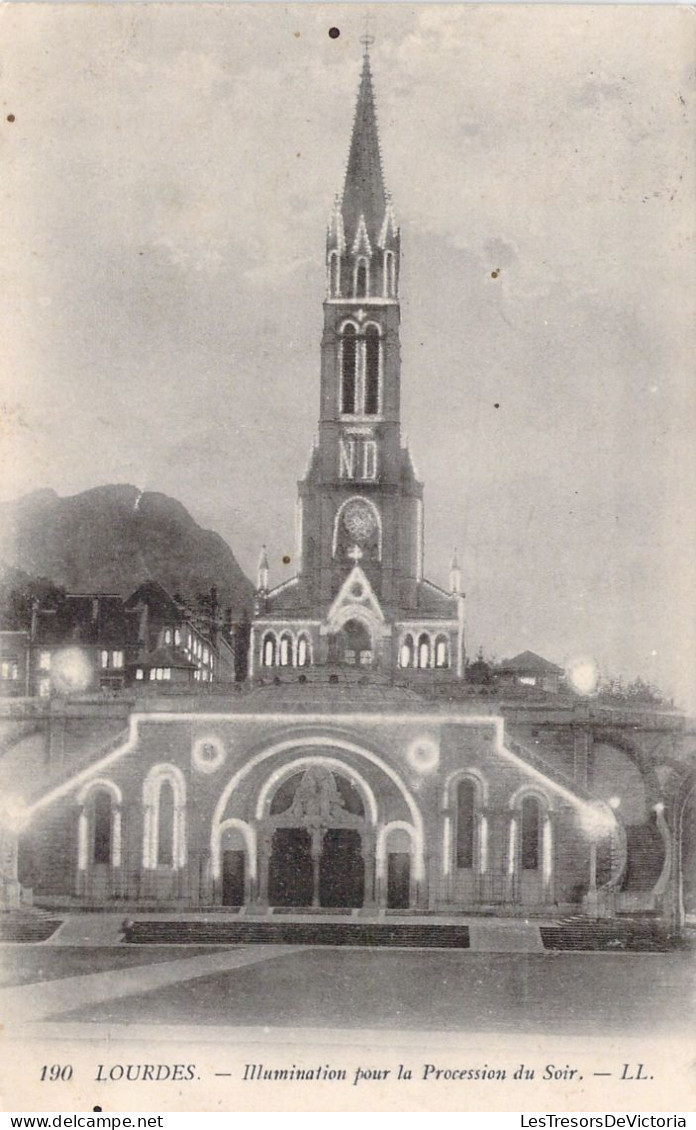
{"points": [[407, 650], [472, 854], [289, 769], [325, 742], [269, 649], [152, 786], [523, 819], [620, 741], [87, 799]]}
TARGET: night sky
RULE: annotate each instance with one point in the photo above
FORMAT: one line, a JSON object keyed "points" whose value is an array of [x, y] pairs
{"points": [[168, 176]]}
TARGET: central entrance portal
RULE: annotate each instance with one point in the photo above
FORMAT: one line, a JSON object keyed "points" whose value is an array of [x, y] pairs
{"points": [[317, 852]]}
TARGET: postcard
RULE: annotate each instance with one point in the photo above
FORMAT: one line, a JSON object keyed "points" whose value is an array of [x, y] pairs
{"points": [[347, 700]]}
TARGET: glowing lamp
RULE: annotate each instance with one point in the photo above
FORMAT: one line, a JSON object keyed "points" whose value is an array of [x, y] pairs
{"points": [[71, 670], [583, 675]]}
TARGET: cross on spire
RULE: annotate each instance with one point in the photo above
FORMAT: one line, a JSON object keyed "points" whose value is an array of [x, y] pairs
{"points": [[367, 40], [355, 554]]}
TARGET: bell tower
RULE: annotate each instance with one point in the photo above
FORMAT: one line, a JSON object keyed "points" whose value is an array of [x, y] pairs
{"points": [[359, 597], [360, 499]]}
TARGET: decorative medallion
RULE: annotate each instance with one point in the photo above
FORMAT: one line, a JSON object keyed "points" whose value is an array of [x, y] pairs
{"points": [[423, 755], [359, 520], [209, 754]]}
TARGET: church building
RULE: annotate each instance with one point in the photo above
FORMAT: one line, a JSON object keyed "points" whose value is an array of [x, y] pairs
{"points": [[331, 781], [360, 598]]}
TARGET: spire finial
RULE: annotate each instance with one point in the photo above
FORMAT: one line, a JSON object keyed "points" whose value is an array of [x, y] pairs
{"points": [[367, 40], [262, 572], [455, 575]]}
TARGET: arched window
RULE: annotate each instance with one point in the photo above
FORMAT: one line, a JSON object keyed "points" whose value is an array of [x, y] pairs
{"points": [[424, 650], [362, 278], [349, 356], [354, 645], [441, 652], [372, 351], [389, 275], [102, 828], [406, 652], [164, 805], [302, 651], [285, 650], [531, 827], [268, 650], [466, 823], [165, 825], [334, 274]]}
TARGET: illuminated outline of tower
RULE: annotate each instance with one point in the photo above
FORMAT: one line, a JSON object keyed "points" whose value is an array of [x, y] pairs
{"points": [[359, 599]]}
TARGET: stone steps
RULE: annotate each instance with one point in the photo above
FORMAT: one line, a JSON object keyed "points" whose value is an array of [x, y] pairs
{"points": [[191, 932], [27, 926], [608, 935]]}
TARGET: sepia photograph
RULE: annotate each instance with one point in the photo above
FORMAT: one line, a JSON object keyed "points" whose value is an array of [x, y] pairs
{"points": [[347, 544]]}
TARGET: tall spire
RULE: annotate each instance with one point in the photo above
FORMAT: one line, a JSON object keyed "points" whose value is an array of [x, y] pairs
{"points": [[364, 193]]}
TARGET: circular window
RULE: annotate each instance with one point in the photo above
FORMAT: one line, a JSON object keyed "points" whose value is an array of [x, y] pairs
{"points": [[359, 520], [423, 755], [209, 754]]}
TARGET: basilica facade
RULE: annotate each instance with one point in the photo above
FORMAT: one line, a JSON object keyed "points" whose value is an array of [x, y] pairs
{"points": [[338, 779]]}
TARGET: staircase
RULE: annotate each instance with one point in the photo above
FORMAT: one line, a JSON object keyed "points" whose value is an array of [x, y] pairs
{"points": [[635, 936], [415, 935], [27, 925], [646, 854]]}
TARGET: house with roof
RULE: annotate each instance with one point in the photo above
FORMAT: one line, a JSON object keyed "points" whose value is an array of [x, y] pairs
{"points": [[529, 671]]}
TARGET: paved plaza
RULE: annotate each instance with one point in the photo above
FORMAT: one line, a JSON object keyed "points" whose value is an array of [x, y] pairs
{"points": [[84, 977]]}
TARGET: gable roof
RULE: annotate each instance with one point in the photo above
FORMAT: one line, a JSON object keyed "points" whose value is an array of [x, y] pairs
{"points": [[355, 599], [530, 662], [96, 618]]}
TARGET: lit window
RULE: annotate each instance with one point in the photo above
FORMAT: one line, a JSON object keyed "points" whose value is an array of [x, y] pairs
{"points": [[285, 651], [167, 673], [406, 653], [139, 673], [441, 652], [177, 636], [268, 650], [424, 651], [117, 659], [188, 640], [153, 674], [44, 661], [528, 680], [44, 687], [167, 635], [302, 651], [205, 655], [103, 658], [10, 669]]}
